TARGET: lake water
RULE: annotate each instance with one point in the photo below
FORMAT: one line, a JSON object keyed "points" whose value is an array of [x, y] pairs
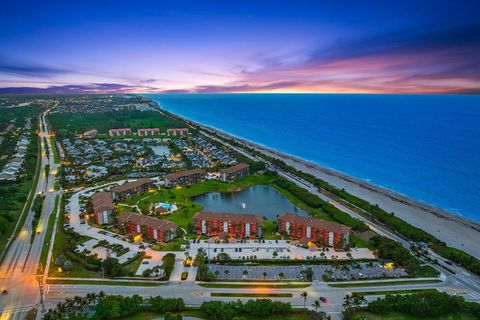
{"points": [[424, 146], [261, 200], [160, 150]]}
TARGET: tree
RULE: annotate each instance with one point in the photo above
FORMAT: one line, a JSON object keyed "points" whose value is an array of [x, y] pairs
{"points": [[347, 301], [275, 254], [264, 275], [226, 271], [281, 275], [304, 295], [245, 273], [316, 304], [67, 265]]}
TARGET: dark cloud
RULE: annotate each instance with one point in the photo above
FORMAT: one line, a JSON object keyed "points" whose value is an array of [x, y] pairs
{"points": [[31, 70], [244, 87], [148, 81], [65, 89], [465, 39]]}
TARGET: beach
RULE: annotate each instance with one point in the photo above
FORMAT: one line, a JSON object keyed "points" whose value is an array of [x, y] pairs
{"points": [[455, 231]]}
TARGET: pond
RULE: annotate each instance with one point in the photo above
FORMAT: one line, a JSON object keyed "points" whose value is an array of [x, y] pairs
{"points": [[160, 150], [261, 200]]}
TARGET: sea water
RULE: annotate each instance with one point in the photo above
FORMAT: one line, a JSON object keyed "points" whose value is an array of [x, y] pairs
{"points": [[424, 146]]}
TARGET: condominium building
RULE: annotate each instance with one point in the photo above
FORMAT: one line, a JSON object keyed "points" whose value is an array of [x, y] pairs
{"points": [[155, 229], [119, 132], [177, 132], [90, 133], [235, 172], [184, 178], [317, 231], [222, 224], [148, 131], [103, 207], [134, 188]]}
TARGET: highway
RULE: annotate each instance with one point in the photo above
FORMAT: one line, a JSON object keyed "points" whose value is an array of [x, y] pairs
{"points": [[18, 273]]}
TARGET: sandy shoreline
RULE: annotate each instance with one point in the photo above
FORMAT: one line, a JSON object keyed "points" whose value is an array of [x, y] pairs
{"points": [[455, 231]]}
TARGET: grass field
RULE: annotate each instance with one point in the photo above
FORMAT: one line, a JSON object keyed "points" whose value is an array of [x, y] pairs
{"points": [[69, 122], [256, 286], [198, 314], [250, 295], [49, 231], [398, 316], [56, 158], [384, 292], [105, 283], [182, 197], [379, 284]]}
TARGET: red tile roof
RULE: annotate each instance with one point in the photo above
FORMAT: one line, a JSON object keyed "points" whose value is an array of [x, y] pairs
{"points": [[140, 219], [311, 222], [131, 185], [186, 173], [102, 200], [235, 168], [232, 217]]}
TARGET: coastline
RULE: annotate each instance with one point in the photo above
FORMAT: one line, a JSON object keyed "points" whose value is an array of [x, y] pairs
{"points": [[456, 231]]}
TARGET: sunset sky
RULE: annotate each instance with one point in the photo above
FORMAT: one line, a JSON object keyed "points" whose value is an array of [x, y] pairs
{"points": [[240, 46]]}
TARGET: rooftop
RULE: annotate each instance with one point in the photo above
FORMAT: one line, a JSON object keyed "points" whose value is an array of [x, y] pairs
{"points": [[309, 221]]}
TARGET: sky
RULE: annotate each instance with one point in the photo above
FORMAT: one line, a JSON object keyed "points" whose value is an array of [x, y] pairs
{"points": [[240, 46]]}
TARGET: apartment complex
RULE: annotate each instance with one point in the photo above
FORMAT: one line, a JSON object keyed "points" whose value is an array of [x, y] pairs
{"points": [[184, 178], [223, 224], [317, 231], [235, 172], [155, 229], [90, 133], [119, 132], [134, 188], [103, 207], [148, 131], [177, 132]]}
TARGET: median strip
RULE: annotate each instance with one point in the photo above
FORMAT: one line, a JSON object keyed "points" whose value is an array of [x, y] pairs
{"points": [[256, 286], [250, 295], [383, 283], [105, 282], [385, 292]]}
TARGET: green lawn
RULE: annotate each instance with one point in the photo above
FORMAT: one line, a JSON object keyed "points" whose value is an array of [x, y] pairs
{"points": [[182, 197], [198, 314], [398, 316], [56, 158], [384, 292], [49, 231], [250, 295], [256, 286], [384, 283], [105, 283]]}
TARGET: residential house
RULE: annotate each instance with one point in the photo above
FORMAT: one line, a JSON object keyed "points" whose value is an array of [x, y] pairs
{"points": [[132, 189]]}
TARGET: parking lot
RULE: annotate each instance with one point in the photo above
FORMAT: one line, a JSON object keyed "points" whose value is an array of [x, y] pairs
{"points": [[343, 272], [273, 249]]}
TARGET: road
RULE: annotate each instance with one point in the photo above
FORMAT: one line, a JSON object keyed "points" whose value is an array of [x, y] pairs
{"points": [[19, 268], [465, 279]]}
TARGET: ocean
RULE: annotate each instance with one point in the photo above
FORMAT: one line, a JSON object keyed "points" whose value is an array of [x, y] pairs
{"points": [[426, 147]]}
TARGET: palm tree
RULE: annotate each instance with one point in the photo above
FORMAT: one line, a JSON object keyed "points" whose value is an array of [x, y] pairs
{"points": [[347, 301], [316, 304], [245, 273], [304, 295], [226, 271], [281, 275], [264, 275]]}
